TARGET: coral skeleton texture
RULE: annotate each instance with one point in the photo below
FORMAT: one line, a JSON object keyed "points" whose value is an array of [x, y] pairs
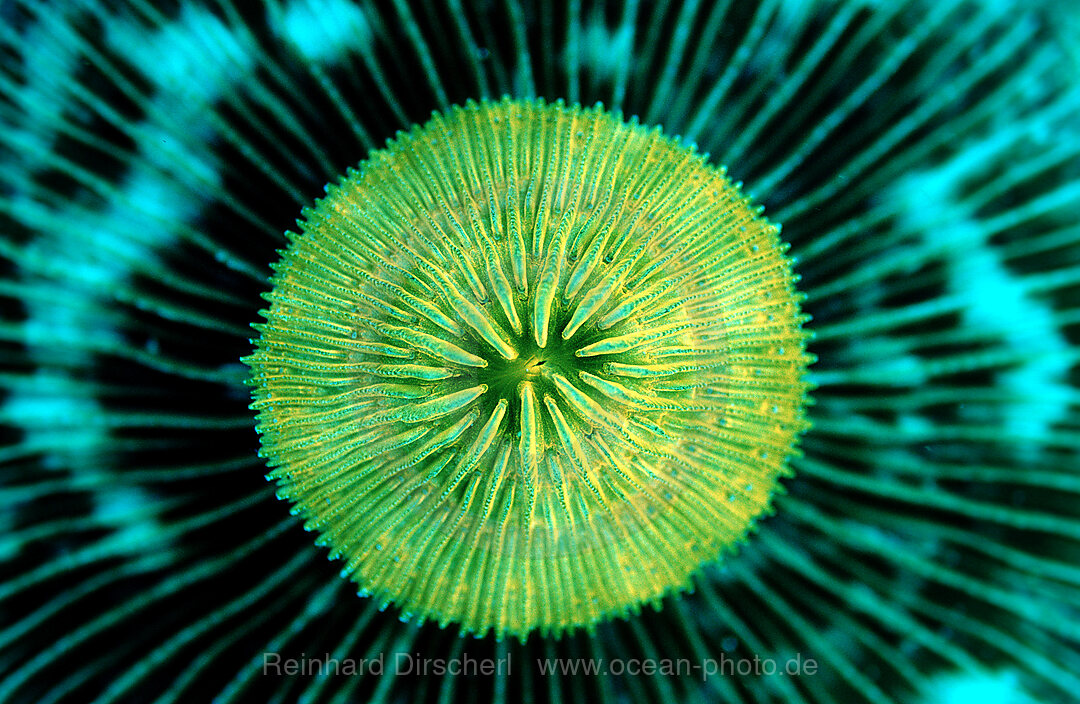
{"points": [[922, 545]]}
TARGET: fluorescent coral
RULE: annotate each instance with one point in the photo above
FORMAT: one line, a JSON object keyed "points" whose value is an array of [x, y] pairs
{"points": [[921, 157], [530, 367]]}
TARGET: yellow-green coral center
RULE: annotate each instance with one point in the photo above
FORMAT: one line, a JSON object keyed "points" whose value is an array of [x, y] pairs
{"points": [[530, 367]]}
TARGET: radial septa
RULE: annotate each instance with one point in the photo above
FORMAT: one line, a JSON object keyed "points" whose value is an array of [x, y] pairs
{"points": [[521, 367]]}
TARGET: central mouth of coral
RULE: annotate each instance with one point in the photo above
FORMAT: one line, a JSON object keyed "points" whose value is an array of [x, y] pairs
{"points": [[533, 364]]}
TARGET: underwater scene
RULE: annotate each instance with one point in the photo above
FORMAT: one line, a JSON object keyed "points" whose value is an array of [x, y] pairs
{"points": [[547, 352]]}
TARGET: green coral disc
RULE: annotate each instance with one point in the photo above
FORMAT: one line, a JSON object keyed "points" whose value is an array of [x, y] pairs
{"points": [[530, 367]]}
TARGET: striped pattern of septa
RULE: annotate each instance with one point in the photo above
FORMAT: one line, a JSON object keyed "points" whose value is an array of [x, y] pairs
{"points": [[529, 367]]}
